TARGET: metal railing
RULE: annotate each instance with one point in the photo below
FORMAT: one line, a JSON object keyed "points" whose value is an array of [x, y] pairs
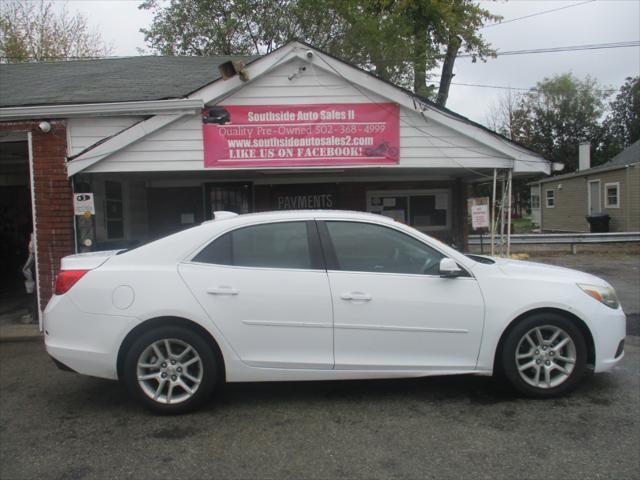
{"points": [[566, 238]]}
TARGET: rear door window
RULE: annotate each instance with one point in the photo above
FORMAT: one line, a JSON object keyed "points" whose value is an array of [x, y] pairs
{"points": [[272, 245]]}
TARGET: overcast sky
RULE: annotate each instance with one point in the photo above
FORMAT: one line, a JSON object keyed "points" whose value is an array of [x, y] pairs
{"points": [[595, 22]]}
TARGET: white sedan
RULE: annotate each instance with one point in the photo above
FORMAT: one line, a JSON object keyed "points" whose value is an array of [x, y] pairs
{"points": [[322, 295]]}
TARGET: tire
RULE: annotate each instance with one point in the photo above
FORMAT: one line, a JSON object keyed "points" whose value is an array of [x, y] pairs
{"points": [[173, 383], [550, 362]]}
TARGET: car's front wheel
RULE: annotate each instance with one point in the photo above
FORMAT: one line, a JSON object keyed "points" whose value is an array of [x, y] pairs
{"points": [[171, 369], [544, 355]]}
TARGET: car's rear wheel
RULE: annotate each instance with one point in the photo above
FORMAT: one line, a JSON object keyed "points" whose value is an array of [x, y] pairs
{"points": [[171, 369], [545, 355]]}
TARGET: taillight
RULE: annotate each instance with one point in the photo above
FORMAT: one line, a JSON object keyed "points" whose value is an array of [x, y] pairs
{"points": [[67, 279]]}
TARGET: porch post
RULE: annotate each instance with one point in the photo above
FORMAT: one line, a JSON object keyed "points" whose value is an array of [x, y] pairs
{"points": [[493, 212]]}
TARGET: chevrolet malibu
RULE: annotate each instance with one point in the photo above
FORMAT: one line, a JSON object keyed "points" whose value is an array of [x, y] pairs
{"points": [[322, 295]]}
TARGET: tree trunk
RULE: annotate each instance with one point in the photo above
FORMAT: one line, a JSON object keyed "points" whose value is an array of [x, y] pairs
{"points": [[447, 69], [420, 63]]}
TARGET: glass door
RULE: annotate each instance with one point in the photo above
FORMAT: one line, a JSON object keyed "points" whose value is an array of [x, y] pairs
{"points": [[230, 197]]}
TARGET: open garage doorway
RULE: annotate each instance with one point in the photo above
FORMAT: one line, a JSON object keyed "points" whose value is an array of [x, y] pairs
{"points": [[16, 226]]}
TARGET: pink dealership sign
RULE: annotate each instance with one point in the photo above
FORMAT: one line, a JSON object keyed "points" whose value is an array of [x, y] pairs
{"points": [[304, 135]]}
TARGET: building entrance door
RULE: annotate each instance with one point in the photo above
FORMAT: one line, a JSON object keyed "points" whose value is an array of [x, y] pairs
{"points": [[230, 197], [16, 226]]}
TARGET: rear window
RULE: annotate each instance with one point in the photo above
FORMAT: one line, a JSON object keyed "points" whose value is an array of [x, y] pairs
{"points": [[273, 245]]}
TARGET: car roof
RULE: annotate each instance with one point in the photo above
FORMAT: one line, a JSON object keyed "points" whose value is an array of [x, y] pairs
{"points": [[248, 218]]}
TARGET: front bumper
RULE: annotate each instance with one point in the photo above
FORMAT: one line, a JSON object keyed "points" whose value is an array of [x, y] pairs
{"points": [[609, 329]]}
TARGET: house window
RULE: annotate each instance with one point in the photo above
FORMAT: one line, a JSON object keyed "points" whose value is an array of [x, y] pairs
{"points": [[550, 198], [612, 195], [114, 210], [535, 201], [426, 210]]}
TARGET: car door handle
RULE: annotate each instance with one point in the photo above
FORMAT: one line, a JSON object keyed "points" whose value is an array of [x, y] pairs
{"points": [[222, 290], [356, 296]]}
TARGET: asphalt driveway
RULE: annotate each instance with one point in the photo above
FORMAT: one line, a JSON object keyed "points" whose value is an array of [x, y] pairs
{"points": [[60, 425]]}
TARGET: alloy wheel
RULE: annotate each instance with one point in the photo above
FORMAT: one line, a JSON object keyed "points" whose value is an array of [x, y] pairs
{"points": [[169, 371], [545, 356]]}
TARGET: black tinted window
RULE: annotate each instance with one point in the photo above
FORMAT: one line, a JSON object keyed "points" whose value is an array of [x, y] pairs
{"points": [[218, 252], [363, 247], [277, 245]]}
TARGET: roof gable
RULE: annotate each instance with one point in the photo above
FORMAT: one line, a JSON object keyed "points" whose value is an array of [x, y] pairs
{"points": [[213, 91]]}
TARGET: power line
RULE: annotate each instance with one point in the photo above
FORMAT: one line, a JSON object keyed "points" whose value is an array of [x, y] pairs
{"points": [[505, 87], [544, 12], [572, 48]]}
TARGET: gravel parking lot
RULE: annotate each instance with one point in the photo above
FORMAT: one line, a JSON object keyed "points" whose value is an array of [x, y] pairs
{"points": [[55, 424]]}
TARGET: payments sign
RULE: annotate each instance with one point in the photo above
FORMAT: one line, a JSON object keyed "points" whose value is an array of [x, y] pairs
{"points": [[304, 135]]}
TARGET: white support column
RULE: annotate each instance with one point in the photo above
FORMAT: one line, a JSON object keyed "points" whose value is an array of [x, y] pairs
{"points": [[493, 212], [509, 207], [503, 190], [32, 185]]}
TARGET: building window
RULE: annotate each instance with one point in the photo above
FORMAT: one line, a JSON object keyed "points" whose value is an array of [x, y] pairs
{"points": [[425, 210], [612, 195], [114, 210], [550, 198], [535, 201]]}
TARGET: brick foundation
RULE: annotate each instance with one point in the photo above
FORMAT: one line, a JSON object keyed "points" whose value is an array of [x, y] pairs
{"points": [[53, 200]]}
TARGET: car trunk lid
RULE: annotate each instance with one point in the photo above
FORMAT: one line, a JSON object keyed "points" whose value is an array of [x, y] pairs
{"points": [[86, 261]]}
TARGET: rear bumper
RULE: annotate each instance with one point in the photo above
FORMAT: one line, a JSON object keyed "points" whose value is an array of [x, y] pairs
{"points": [[83, 342], [61, 365]]}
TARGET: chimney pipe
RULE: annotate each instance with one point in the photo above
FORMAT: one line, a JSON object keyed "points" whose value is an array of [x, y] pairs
{"points": [[584, 156]]}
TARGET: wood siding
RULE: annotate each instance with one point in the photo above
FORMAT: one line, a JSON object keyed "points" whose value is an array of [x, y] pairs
{"points": [[179, 146], [571, 201], [84, 132]]}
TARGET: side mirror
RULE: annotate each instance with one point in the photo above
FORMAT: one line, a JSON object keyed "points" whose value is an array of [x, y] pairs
{"points": [[449, 268]]}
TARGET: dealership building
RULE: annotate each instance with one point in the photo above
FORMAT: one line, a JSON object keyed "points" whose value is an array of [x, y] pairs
{"points": [[151, 145]]}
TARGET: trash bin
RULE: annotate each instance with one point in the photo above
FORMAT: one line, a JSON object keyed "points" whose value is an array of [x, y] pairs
{"points": [[599, 223]]}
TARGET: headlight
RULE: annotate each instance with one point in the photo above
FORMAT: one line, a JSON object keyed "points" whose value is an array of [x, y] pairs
{"points": [[606, 295]]}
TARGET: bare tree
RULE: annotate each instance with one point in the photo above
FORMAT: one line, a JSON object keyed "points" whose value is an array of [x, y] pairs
{"points": [[37, 31], [501, 117]]}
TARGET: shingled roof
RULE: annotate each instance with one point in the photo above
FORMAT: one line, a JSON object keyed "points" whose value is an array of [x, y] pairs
{"points": [[107, 80], [629, 155]]}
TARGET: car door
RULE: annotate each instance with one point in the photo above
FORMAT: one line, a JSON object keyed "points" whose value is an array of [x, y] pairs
{"points": [[266, 288], [391, 307]]}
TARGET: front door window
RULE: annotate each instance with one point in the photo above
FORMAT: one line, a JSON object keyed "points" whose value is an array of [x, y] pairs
{"points": [[365, 247]]}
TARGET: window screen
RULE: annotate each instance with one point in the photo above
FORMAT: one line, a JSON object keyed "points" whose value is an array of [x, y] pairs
{"points": [[275, 245], [551, 198], [364, 247], [612, 196]]}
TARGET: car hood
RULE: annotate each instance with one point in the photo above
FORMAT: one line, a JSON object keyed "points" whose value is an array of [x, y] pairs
{"points": [[519, 268]]}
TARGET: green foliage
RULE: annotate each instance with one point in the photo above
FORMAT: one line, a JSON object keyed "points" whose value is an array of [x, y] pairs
{"points": [[622, 126], [398, 40], [35, 31], [555, 116], [560, 112]]}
